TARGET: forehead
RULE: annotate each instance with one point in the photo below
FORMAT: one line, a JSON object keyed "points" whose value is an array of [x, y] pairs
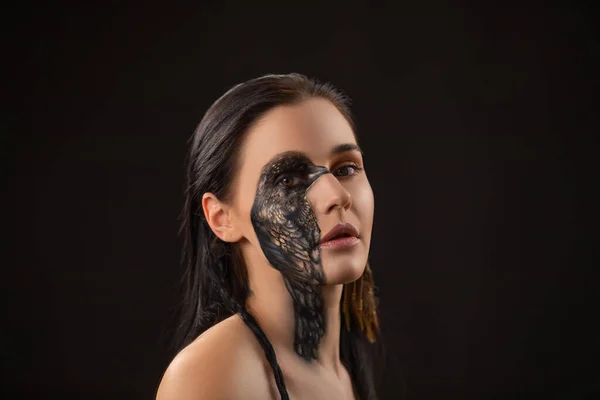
{"points": [[313, 127]]}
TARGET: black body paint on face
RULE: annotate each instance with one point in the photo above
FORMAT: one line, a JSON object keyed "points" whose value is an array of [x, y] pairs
{"points": [[289, 235]]}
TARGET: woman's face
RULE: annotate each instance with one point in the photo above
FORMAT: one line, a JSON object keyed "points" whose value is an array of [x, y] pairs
{"points": [[300, 174]]}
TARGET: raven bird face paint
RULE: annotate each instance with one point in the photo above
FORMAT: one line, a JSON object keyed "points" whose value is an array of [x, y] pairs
{"points": [[289, 235]]}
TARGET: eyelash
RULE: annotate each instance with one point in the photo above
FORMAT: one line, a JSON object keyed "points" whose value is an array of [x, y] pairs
{"points": [[283, 176], [292, 175], [353, 165]]}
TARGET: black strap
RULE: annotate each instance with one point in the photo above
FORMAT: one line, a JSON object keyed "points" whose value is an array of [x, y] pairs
{"points": [[268, 349]]}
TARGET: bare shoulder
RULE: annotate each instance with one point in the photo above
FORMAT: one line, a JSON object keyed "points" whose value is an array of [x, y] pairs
{"points": [[225, 362]]}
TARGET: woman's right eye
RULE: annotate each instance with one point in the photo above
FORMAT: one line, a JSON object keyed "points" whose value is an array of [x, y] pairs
{"points": [[288, 180]]}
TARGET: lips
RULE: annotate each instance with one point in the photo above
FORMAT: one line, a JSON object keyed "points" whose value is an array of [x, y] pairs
{"points": [[340, 230]]}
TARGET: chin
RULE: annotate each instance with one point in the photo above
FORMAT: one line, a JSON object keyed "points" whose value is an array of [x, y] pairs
{"points": [[340, 270]]}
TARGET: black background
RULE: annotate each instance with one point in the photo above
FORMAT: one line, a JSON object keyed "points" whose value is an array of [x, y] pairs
{"points": [[477, 125]]}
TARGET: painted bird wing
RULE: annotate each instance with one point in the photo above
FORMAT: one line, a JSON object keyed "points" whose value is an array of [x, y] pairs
{"points": [[284, 242]]}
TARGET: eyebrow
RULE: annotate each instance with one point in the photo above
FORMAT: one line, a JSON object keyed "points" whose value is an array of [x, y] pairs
{"points": [[342, 148]]}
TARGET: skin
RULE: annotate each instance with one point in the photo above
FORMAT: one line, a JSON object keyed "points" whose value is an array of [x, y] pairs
{"points": [[296, 286]]}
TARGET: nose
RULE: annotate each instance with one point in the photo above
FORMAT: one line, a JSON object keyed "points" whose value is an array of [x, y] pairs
{"points": [[327, 194]]}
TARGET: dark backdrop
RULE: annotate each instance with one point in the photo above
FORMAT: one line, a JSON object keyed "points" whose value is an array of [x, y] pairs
{"points": [[476, 123]]}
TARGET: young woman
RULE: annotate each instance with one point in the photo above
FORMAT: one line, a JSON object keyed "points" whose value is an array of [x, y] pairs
{"points": [[277, 221]]}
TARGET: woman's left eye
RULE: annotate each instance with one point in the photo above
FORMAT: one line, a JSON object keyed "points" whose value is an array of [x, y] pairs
{"points": [[347, 170]]}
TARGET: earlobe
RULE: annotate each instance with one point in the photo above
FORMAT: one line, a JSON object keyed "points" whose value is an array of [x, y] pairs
{"points": [[218, 216]]}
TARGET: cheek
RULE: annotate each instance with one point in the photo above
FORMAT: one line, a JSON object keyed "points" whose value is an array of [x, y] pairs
{"points": [[364, 204], [244, 199]]}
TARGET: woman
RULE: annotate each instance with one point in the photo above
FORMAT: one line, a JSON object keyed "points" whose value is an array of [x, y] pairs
{"points": [[277, 221]]}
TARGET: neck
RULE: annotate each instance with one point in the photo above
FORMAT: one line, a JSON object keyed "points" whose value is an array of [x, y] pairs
{"points": [[272, 306]]}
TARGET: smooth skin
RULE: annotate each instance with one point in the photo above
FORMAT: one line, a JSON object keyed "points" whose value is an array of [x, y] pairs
{"points": [[226, 361]]}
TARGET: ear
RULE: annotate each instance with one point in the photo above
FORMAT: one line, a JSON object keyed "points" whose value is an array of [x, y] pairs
{"points": [[218, 216]]}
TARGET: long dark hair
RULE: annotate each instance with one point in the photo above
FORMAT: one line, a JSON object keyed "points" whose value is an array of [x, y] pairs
{"points": [[215, 280]]}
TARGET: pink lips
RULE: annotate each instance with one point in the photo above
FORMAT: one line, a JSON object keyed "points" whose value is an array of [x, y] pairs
{"points": [[342, 236], [341, 243]]}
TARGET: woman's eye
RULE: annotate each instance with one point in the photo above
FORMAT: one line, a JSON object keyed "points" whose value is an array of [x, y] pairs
{"points": [[288, 181], [347, 170]]}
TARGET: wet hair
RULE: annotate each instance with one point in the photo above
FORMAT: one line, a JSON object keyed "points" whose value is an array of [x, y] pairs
{"points": [[215, 281]]}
